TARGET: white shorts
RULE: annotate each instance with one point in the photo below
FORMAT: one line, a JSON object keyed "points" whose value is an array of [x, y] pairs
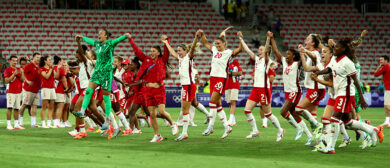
{"points": [[387, 98], [68, 98], [60, 98], [231, 94], [30, 98], [14, 100], [48, 94]]}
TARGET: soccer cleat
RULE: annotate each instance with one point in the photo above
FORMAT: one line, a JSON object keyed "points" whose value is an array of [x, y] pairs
{"points": [[366, 142], [59, 126], [309, 141], [329, 150], [52, 126], [81, 135], [264, 126], [79, 114], [157, 138], [109, 134], [128, 132], [380, 134], [181, 137], [18, 127], [318, 131], [299, 134], [175, 129], [192, 124], [9, 127], [232, 123], [137, 131], [106, 124], [35, 126], [279, 136], [319, 147], [208, 131], [67, 124], [167, 124], [116, 132], [228, 130], [207, 120], [73, 133], [345, 143], [253, 135], [385, 124], [44, 126], [90, 129], [98, 131]]}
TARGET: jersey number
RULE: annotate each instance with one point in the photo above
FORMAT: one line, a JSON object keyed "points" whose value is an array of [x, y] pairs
{"points": [[341, 101], [313, 95], [218, 55]]}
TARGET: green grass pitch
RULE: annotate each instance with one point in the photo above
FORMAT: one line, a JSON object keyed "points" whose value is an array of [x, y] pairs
{"points": [[55, 148]]}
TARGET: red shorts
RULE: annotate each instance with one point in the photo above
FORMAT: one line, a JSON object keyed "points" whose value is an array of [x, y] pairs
{"points": [[261, 95], [315, 95], [293, 97], [330, 102], [154, 96], [217, 84], [114, 97], [344, 104], [82, 92], [98, 94], [188, 92], [75, 98], [139, 98]]}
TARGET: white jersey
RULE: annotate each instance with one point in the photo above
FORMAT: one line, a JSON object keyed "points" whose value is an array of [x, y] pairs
{"points": [[186, 71], [291, 74], [342, 81], [261, 73], [118, 74], [219, 62], [309, 83], [331, 89], [83, 76]]}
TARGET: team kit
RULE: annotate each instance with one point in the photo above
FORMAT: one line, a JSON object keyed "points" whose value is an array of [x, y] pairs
{"points": [[97, 83]]}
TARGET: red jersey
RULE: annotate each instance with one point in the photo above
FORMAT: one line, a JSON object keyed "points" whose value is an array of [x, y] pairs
{"points": [[60, 87], [47, 83], [152, 71], [234, 66], [385, 71], [15, 86], [32, 73], [128, 77]]}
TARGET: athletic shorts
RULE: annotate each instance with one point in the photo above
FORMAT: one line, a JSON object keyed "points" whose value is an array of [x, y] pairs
{"points": [[30, 98], [98, 94], [154, 96], [231, 94], [217, 84], [114, 97], [330, 102], [139, 98], [387, 98], [82, 92], [315, 95], [344, 104], [125, 105], [60, 98], [260, 95], [48, 94], [13, 100], [68, 99], [293, 97], [188, 92], [75, 98]]}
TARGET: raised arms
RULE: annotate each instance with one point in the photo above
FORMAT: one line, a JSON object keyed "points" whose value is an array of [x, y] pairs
{"points": [[245, 47], [275, 47], [204, 41], [193, 45]]}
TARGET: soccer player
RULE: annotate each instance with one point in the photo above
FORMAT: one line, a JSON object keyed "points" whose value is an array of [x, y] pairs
{"points": [[102, 76], [384, 69], [48, 92], [153, 74], [344, 73], [13, 78], [62, 85], [31, 87], [68, 94], [185, 54], [292, 90], [218, 76], [261, 88], [232, 88], [271, 76]]}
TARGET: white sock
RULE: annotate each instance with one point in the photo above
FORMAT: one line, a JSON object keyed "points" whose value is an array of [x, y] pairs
{"points": [[8, 122], [43, 123], [113, 121], [100, 109], [265, 120], [20, 119], [308, 115], [82, 128], [343, 131], [16, 123], [192, 114], [33, 120], [251, 119], [387, 120], [222, 116], [335, 132], [88, 121], [213, 114], [123, 120], [202, 109], [274, 120], [186, 119], [231, 118], [48, 122], [361, 126], [326, 130], [305, 129], [56, 122], [290, 119]]}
